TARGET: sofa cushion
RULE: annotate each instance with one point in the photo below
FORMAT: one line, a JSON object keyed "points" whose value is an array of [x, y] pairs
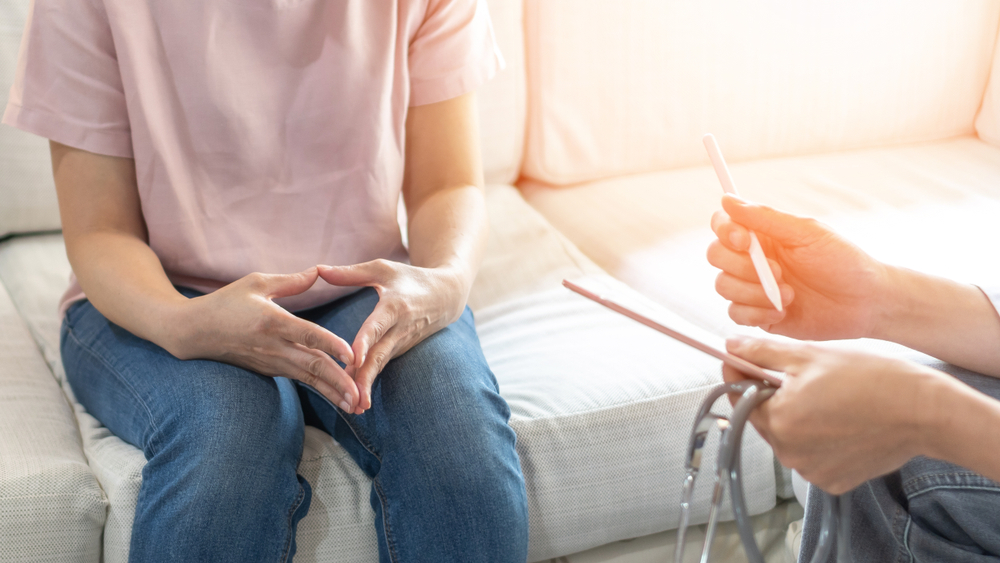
{"points": [[51, 507], [502, 100], [932, 207], [26, 188], [602, 406], [988, 120], [630, 87]]}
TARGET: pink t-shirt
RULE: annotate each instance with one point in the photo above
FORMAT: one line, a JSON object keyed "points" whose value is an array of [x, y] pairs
{"points": [[268, 135]]}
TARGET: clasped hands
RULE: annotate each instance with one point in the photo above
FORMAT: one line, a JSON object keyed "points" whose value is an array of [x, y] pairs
{"points": [[241, 325]]}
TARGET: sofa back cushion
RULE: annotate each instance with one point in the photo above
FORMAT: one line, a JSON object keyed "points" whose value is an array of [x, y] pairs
{"points": [[631, 86], [988, 120], [502, 100], [27, 194]]}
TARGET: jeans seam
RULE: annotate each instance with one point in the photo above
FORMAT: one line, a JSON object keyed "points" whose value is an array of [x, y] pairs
{"points": [[930, 476], [906, 538], [123, 381], [390, 544], [291, 513], [963, 487]]}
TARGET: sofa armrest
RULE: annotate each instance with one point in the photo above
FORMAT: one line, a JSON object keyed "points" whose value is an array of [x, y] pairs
{"points": [[51, 506]]}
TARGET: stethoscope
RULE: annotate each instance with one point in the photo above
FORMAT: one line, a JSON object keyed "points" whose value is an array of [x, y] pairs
{"points": [[835, 513]]}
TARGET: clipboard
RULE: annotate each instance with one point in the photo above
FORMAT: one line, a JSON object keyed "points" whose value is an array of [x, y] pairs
{"points": [[743, 366]]}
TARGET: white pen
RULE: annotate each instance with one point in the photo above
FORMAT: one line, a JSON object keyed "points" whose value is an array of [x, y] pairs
{"points": [[756, 252]]}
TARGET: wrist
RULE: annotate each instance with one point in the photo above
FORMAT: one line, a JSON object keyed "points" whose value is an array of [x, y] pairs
{"points": [[177, 328], [894, 301], [456, 282]]}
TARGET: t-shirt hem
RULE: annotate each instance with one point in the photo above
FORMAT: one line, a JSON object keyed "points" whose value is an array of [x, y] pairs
{"points": [[51, 126], [455, 84]]}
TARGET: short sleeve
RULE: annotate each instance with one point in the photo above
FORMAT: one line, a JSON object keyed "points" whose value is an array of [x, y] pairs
{"points": [[453, 52], [993, 293], [67, 85]]}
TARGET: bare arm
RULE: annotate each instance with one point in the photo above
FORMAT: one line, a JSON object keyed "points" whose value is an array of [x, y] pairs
{"points": [[106, 242], [443, 191], [951, 321]]}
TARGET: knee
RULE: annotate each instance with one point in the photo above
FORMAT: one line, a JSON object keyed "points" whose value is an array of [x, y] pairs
{"points": [[232, 429]]}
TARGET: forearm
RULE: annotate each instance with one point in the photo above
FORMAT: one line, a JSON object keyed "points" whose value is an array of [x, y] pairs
{"points": [[448, 231], [958, 427], [126, 282], [948, 320]]}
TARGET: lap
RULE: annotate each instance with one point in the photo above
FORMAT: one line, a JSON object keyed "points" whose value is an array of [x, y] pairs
{"points": [[440, 392], [146, 396], [928, 510]]}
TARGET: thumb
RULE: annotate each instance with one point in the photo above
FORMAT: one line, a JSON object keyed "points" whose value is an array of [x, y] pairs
{"points": [[356, 275], [285, 285], [768, 354], [782, 227]]}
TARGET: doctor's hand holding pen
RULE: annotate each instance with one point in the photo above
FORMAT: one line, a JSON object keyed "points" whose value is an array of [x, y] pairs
{"points": [[841, 417]]}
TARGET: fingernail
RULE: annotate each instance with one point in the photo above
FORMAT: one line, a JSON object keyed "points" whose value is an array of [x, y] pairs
{"points": [[735, 239], [345, 407], [347, 398], [738, 199]]}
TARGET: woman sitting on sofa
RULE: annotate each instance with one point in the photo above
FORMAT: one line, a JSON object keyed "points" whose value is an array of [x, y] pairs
{"points": [[844, 419], [207, 156]]}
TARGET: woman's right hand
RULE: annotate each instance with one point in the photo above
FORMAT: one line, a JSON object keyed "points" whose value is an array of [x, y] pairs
{"points": [[241, 325], [830, 288]]}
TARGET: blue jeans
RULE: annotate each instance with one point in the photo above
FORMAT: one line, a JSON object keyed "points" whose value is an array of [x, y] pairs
{"points": [[928, 511], [222, 445]]}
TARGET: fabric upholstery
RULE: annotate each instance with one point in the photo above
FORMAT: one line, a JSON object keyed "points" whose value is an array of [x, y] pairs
{"points": [[51, 507], [988, 120], [602, 406], [932, 207], [26, 189], [630, 87], [770, 531], [502, 100]]}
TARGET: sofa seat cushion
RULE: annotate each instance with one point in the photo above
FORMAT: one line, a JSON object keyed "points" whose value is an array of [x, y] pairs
{"points": [[931, 207], [51, 506], [602, 406]]}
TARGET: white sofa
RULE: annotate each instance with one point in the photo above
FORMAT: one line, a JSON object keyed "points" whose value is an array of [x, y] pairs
{"points": [[870, 113]]}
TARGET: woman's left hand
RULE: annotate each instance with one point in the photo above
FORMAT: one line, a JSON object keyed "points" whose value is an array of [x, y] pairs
{"points": [[413, 304], [842, 417]]}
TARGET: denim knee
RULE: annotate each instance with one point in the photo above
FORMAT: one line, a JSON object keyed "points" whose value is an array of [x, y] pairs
{"points": [[221, 477]]}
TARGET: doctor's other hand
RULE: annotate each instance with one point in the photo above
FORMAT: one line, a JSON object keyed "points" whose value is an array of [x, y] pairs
{"points": [[413, 303], [841, 417], [239, 324], [830, 288]]}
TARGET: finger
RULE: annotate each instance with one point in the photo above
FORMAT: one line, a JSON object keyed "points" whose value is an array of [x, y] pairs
{"points": [[357, 275], [377, 325], [377, 358], [769, 354], [731, 234], [737, 263], [762, 317], [316, 369], [760, 421], [311, 335], [274, 286], [778, 225], [750, 293]]}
